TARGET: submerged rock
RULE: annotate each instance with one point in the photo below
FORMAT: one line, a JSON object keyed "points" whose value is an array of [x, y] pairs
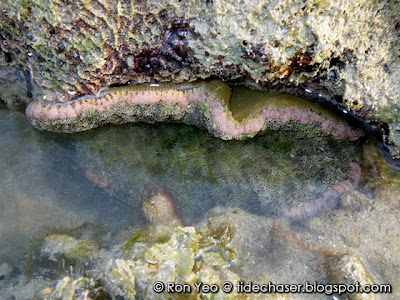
{"points": [[57, 246], [383, 178], [82, 288], [5, 270], [229, 245], [159, 209], [121, 278], [349, 270], [67, 251], [369, 233], [185, 261]]}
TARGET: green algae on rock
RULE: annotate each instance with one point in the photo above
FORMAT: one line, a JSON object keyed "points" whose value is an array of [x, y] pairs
{"points": [[207, 104]]}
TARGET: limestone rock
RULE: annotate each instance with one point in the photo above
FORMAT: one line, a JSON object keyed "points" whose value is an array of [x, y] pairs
{"points": [[350, 49]]}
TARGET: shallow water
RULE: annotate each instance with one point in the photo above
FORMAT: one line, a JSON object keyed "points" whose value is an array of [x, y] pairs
{"points": [[57, 182], [42, 187], [200, 172]]}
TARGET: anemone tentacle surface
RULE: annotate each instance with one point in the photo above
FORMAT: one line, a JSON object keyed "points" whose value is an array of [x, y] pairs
{"points": [[226, 113], [328, 200]]}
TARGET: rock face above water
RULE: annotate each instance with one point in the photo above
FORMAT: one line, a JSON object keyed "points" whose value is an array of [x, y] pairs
{"points": [[75, 48]]}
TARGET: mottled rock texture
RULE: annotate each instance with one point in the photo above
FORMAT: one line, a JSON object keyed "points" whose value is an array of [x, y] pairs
{"points": [[350, 48]]}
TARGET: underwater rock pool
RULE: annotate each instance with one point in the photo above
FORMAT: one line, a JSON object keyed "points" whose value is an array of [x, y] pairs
{"points": [[92, 212]]}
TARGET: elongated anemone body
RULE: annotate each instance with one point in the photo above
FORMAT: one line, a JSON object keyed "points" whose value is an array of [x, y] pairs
{"points": [[208, 104], [329, 199]]}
